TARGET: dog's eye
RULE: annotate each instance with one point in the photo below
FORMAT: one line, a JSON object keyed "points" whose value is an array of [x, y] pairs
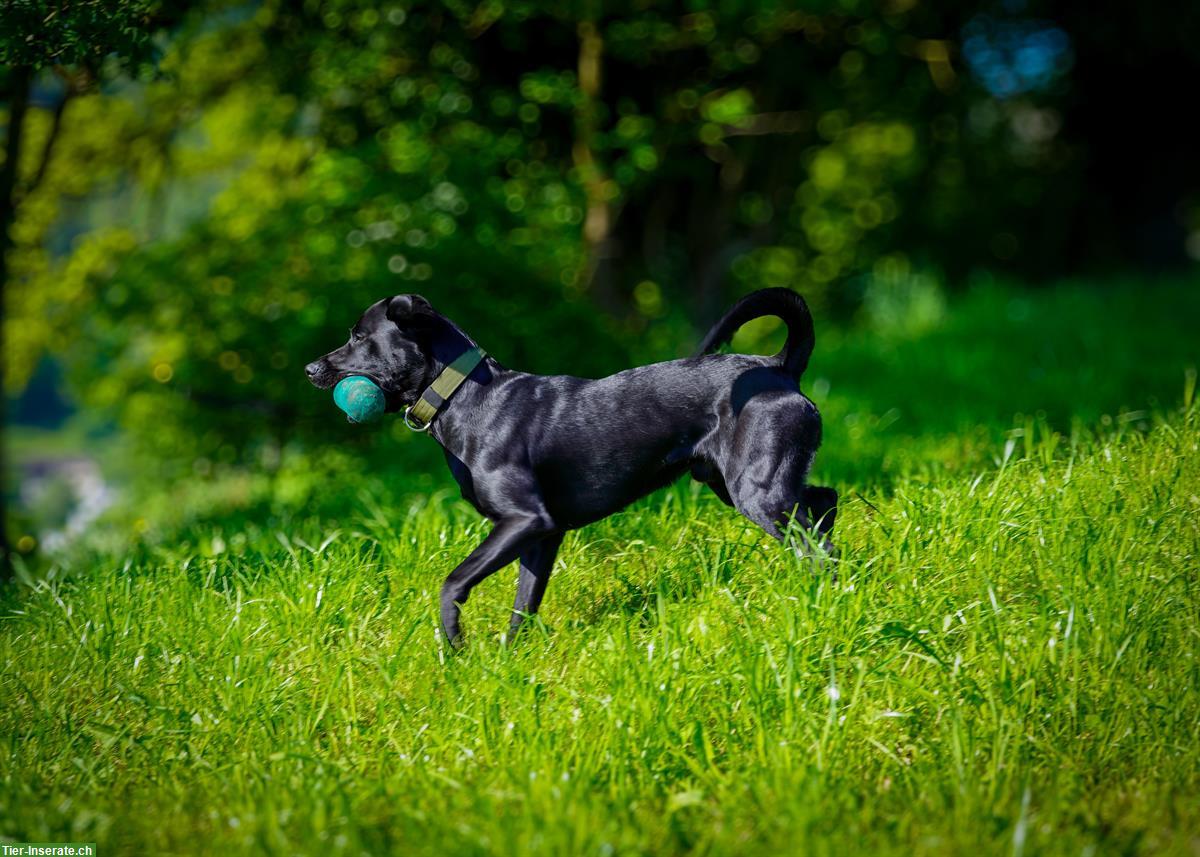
{"points": [[355, 336]]}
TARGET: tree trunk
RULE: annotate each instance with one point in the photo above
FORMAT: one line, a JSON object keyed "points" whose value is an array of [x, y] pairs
{"points": [[19, 81], [597, 222]]}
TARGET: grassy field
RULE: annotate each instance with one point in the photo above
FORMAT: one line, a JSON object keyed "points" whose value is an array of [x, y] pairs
{"points": [[1007, 663]]}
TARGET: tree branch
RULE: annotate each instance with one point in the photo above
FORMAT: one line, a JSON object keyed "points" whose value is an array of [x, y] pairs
{"points": [[51, 138], [785, 122]]}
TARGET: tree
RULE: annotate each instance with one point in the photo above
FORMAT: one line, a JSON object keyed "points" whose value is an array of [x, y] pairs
{"points": [[80, 42]]}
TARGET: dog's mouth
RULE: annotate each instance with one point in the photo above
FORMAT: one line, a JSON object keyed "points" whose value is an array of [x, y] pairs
{"points": [[328, 379]]}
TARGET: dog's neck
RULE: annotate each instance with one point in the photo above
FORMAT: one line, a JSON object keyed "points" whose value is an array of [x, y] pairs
{"points": [[465, 407]]}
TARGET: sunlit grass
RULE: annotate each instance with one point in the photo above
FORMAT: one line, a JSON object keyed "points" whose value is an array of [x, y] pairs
{"points": [[1006, 664]]}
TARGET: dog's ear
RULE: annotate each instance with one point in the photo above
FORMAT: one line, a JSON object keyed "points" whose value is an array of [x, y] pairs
{"points": [[409, 309], [429, 329]]}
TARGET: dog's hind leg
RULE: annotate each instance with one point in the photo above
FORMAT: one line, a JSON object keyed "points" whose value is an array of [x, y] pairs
{"points": [[790, 523], [537, 563], [767, 487], [822, 509], [774, 517], [788, 509]]}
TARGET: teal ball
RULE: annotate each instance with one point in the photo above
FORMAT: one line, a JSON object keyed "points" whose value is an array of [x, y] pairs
{"points": [[360, 398]]}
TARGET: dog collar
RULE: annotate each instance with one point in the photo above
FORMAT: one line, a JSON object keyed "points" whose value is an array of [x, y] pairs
{"points": [[420, 414]]}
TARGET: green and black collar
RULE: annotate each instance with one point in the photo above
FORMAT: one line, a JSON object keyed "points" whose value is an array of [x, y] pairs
{"points": [[420, 414]]}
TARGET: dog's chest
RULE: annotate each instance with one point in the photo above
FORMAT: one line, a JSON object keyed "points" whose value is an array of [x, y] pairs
{"points": [[466, 484]]}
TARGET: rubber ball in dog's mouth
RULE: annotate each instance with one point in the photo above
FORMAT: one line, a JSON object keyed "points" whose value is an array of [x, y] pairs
{"points": [[360, 398]]}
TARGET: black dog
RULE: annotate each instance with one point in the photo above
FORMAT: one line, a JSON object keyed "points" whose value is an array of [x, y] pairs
{"points": [[540, 455]]}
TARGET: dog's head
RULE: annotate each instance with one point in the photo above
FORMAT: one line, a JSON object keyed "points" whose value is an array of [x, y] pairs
{"points": [[394, 343]]}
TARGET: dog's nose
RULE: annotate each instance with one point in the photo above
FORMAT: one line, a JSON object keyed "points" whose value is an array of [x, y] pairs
{"points": [[313, 369]]}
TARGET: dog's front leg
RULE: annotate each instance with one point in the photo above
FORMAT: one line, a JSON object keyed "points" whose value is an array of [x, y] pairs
{"points": [[537, 562], [503, 544], [822, 511]]}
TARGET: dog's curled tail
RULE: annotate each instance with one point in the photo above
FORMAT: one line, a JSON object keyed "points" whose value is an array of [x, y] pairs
{"points": [[784, 303]]}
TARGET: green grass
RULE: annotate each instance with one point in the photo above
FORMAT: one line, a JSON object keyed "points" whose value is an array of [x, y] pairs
{"points": [[1007, 664], [944, 397]]}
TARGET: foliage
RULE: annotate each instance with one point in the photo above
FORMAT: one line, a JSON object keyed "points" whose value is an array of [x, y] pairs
{"points": [[598, 181], [85, 32], [987, 674]]}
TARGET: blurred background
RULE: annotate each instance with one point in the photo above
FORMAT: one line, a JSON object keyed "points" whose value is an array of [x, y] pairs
{"points": [[993, 208]]}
